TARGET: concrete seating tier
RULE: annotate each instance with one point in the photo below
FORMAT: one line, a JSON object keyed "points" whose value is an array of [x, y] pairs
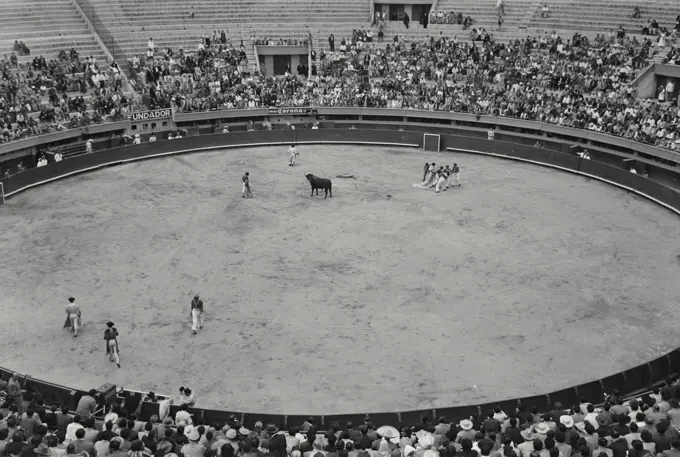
{"points": [[308, 13], [50, 47], [339, 31], [136, 43], [485, 14], [137, 20], [47, 27], [603, 16]]}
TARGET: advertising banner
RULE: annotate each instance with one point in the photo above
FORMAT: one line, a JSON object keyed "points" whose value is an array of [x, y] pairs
{"points": [[150, 115], [292, 111]]}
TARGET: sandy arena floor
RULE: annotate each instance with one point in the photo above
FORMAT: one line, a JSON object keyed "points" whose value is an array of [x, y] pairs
{"points": [[524, 281]]}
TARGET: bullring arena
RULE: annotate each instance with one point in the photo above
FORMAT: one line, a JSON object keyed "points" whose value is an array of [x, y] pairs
{"points": [[384, 297], [131, 131]]}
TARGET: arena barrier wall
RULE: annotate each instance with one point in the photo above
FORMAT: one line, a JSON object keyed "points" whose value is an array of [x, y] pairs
{"points": [[652, 190], [632, 381]]}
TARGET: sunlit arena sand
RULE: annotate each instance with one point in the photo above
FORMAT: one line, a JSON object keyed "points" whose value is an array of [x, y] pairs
{"points": [[524, 281]]}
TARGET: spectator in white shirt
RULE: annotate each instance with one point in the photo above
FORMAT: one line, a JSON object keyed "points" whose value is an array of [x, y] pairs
{"points": [[183, 417], [591, 416], [152, 138], [670, 88], [491, 134], [633, 435], [186, 396], [499, 415], [58, 157], [71, 429]]}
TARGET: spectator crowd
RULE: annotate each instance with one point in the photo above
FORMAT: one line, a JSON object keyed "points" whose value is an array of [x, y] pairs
{"points": [[578, 82], [646, 426], [41, 96]]}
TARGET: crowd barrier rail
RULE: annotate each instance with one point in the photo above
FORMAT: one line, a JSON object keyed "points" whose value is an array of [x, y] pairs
{"points": [[408, 119], [628, 381]]}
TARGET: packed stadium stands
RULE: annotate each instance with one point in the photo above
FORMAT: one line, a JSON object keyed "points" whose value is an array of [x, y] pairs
{"points": [[442, 67], [128, 424]]}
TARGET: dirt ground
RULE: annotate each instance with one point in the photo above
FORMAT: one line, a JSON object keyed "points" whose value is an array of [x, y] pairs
{"points": [[386, 297]]}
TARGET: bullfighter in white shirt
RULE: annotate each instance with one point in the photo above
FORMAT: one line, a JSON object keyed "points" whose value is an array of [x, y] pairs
{"points": [[293, 154]]}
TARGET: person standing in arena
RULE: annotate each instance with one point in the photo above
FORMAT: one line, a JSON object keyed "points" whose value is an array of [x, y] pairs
{"points": [[246, 186], [196, 313], [447, 177], [455, 174], [73, 316], [441, 180], [111, 337], [293, 154]]}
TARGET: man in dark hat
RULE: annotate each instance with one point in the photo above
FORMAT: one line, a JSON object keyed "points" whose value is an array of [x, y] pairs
{"points": [[73, 316], [277, 441], [196, 313]]}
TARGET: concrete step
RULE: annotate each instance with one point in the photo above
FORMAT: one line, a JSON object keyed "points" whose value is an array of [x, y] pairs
{"points": [[59, 38], [40, 31], [603, 24], [301, 16], [36, 21]]}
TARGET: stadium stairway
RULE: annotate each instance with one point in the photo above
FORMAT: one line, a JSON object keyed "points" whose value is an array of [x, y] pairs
{"points": [[46, 27]]}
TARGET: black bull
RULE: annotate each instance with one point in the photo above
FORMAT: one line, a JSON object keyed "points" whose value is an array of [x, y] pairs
{"points": [[320, 183]]}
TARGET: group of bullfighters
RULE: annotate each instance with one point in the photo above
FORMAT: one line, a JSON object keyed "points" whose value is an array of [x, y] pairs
{"points": [[74, 323], [440, 178]]}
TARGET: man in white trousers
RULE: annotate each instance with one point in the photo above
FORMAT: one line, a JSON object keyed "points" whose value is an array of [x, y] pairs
{"points": [[196, 313], [293, 154], [441, 180], [455, 175], [111, 337]]}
